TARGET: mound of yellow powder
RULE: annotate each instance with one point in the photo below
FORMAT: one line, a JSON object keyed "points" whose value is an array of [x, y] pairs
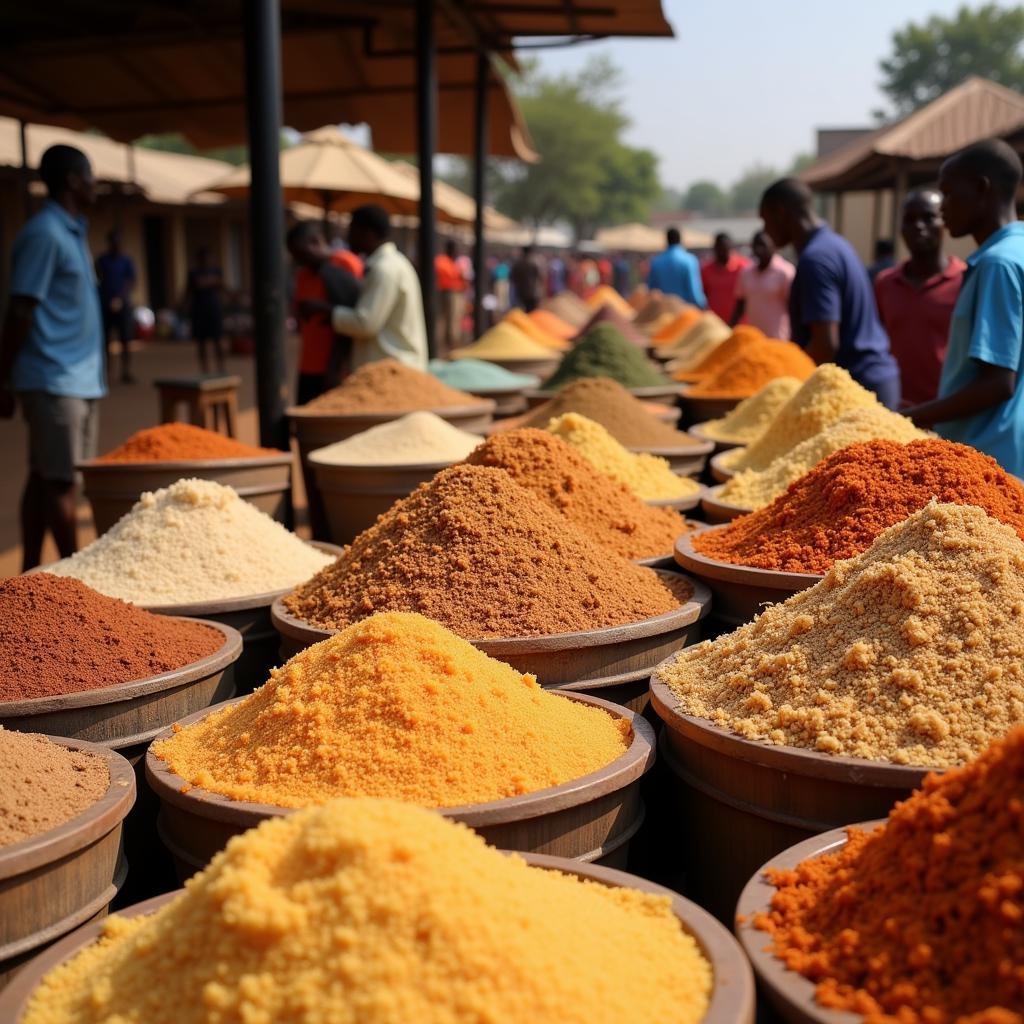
{"points": [[754, 489], [912, 652], [749, 419], [505, 341], [394, 706], [373, 912], [825, 396], [647, 476], [698, 342]]}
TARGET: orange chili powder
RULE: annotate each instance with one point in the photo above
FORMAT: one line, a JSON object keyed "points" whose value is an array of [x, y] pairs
{"points": [[761, 362], [740, 341], [181, 442], [676, 328], [920, 921], [837, 509]]}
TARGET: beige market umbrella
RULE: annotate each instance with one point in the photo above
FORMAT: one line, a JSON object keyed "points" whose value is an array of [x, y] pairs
{"points": [[644, 238], [453, 204]]}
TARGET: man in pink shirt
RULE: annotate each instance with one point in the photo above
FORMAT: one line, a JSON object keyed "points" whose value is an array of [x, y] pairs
{"points": [[762, 292], [720, 275]]}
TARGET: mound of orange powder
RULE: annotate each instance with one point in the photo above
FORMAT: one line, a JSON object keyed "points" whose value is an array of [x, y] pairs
{"points": [[182, 442]]}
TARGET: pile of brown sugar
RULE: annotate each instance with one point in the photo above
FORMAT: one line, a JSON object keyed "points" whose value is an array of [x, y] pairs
{"points": [[912, 652], [60, 636], [389, 386], [44, 784], [607, 402], [476, 552], [182, 442], [601, 507]]}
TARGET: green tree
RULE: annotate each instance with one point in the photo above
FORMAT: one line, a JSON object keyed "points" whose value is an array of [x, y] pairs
{"points": [[930, 58], [745, 195], [706, 197], [586, 174]]}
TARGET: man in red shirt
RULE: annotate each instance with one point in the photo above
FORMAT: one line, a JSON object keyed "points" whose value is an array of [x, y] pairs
{"points": [[916, 298], [720, 276], [451, 286], [321, 275]]}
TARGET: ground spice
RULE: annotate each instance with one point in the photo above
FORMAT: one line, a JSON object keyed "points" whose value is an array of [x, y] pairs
{"points": [[604, 352], [533, 330], [568, 306], [839, 508], [749, 419], [196, 540], [608, 315], [825, 396], [388, 386], [753, 489], [477, 375], [45, 784], [668, 335], [607, 402], [741, 340], [600, 506], [554, 325], [764, 361], [420, 438], [918, 920], [605, 295], [479, 554], [638, 297], [649, 477], [696, 343], [60, 636], [372, 912], [658, 305], [910, 652], [505, 341], [180, 442], [394, 706]]}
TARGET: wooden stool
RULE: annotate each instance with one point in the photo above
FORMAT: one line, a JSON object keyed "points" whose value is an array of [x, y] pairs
{"points": [[208, 399]]}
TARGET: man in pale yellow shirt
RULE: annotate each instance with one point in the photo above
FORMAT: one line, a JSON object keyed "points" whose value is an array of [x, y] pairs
{"points": [[387, 322]]}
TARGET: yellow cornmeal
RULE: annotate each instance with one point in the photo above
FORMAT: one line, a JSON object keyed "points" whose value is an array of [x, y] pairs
{"points": [[697, 343], [505, 341], [394, 706], [647, 476], [912, 652], [373, 912], [754, 489], [825, 396], [749, 419]]}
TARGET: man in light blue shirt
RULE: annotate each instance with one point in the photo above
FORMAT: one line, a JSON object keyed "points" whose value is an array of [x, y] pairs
{"points": [[51, 350], [677, 272], [981, 401]]}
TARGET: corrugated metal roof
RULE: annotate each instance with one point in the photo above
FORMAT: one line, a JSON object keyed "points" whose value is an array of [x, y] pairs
{"points": [[976, 109]]}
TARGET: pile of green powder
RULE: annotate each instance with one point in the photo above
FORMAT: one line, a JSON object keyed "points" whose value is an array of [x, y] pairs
{"points": [[605, 352]]}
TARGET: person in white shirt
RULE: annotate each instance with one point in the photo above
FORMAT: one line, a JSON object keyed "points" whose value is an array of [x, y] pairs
{"points": [[762, 292], [387, 322]]}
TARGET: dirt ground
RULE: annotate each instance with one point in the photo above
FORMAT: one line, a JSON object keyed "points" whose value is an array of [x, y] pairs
{"points": [[127, 408]]}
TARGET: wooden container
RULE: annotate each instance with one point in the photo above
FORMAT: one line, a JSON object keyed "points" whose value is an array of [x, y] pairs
{"points": [[718, 511], [354, 496], [685, 460], [250, 616], [732, 995], [113, 487], [791, 994], [719, 471], [314, 430], [662, 393], [127, 716], [53, 882], [699, 410], [591, 818], [753, 800], [740, 592], [615, 662], [684, 504], [720, 445]]}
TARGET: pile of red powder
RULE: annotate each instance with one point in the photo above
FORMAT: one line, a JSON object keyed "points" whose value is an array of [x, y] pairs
{"points": [[60, 636], [182, 442]]}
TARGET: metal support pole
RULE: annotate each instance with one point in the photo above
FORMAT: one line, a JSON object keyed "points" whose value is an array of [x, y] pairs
{"points": [[898, 194], [26, 172], [266, 214], [483, 73], [426, 125]]}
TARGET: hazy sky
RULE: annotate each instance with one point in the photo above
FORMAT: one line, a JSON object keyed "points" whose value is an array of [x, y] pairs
{"points": [[747, 82]]}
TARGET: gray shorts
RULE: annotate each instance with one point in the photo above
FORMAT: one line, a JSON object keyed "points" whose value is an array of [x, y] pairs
{"points": [[61, 432]]}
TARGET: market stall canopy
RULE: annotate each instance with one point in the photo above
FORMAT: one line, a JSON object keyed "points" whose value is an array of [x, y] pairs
{"points": [[455, 205], [133, 69], [646, 239], [977, 109]]}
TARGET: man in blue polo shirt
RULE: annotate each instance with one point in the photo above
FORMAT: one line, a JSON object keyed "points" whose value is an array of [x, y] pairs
{"points": [[677, 272], [831, 301], [51, 350], [981, 401]]}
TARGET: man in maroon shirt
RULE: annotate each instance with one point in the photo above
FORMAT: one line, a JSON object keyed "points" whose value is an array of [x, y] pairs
{"points": [[916, 298], [719, 276]]}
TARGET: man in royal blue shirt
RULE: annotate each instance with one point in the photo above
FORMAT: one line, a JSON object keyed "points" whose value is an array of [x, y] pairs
{"points": [[981, 402], [677, 272], [831, 301], [51, 350], [115, 272]]}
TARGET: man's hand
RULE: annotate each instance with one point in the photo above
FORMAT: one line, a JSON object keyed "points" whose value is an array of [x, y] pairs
{"points": [[7, 404]]}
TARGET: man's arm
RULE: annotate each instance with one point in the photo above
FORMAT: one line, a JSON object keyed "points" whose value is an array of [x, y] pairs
{"points": [[823, 346], [370, 313], [17, 325], [992, 386], [738, 312], [696, 286]]}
